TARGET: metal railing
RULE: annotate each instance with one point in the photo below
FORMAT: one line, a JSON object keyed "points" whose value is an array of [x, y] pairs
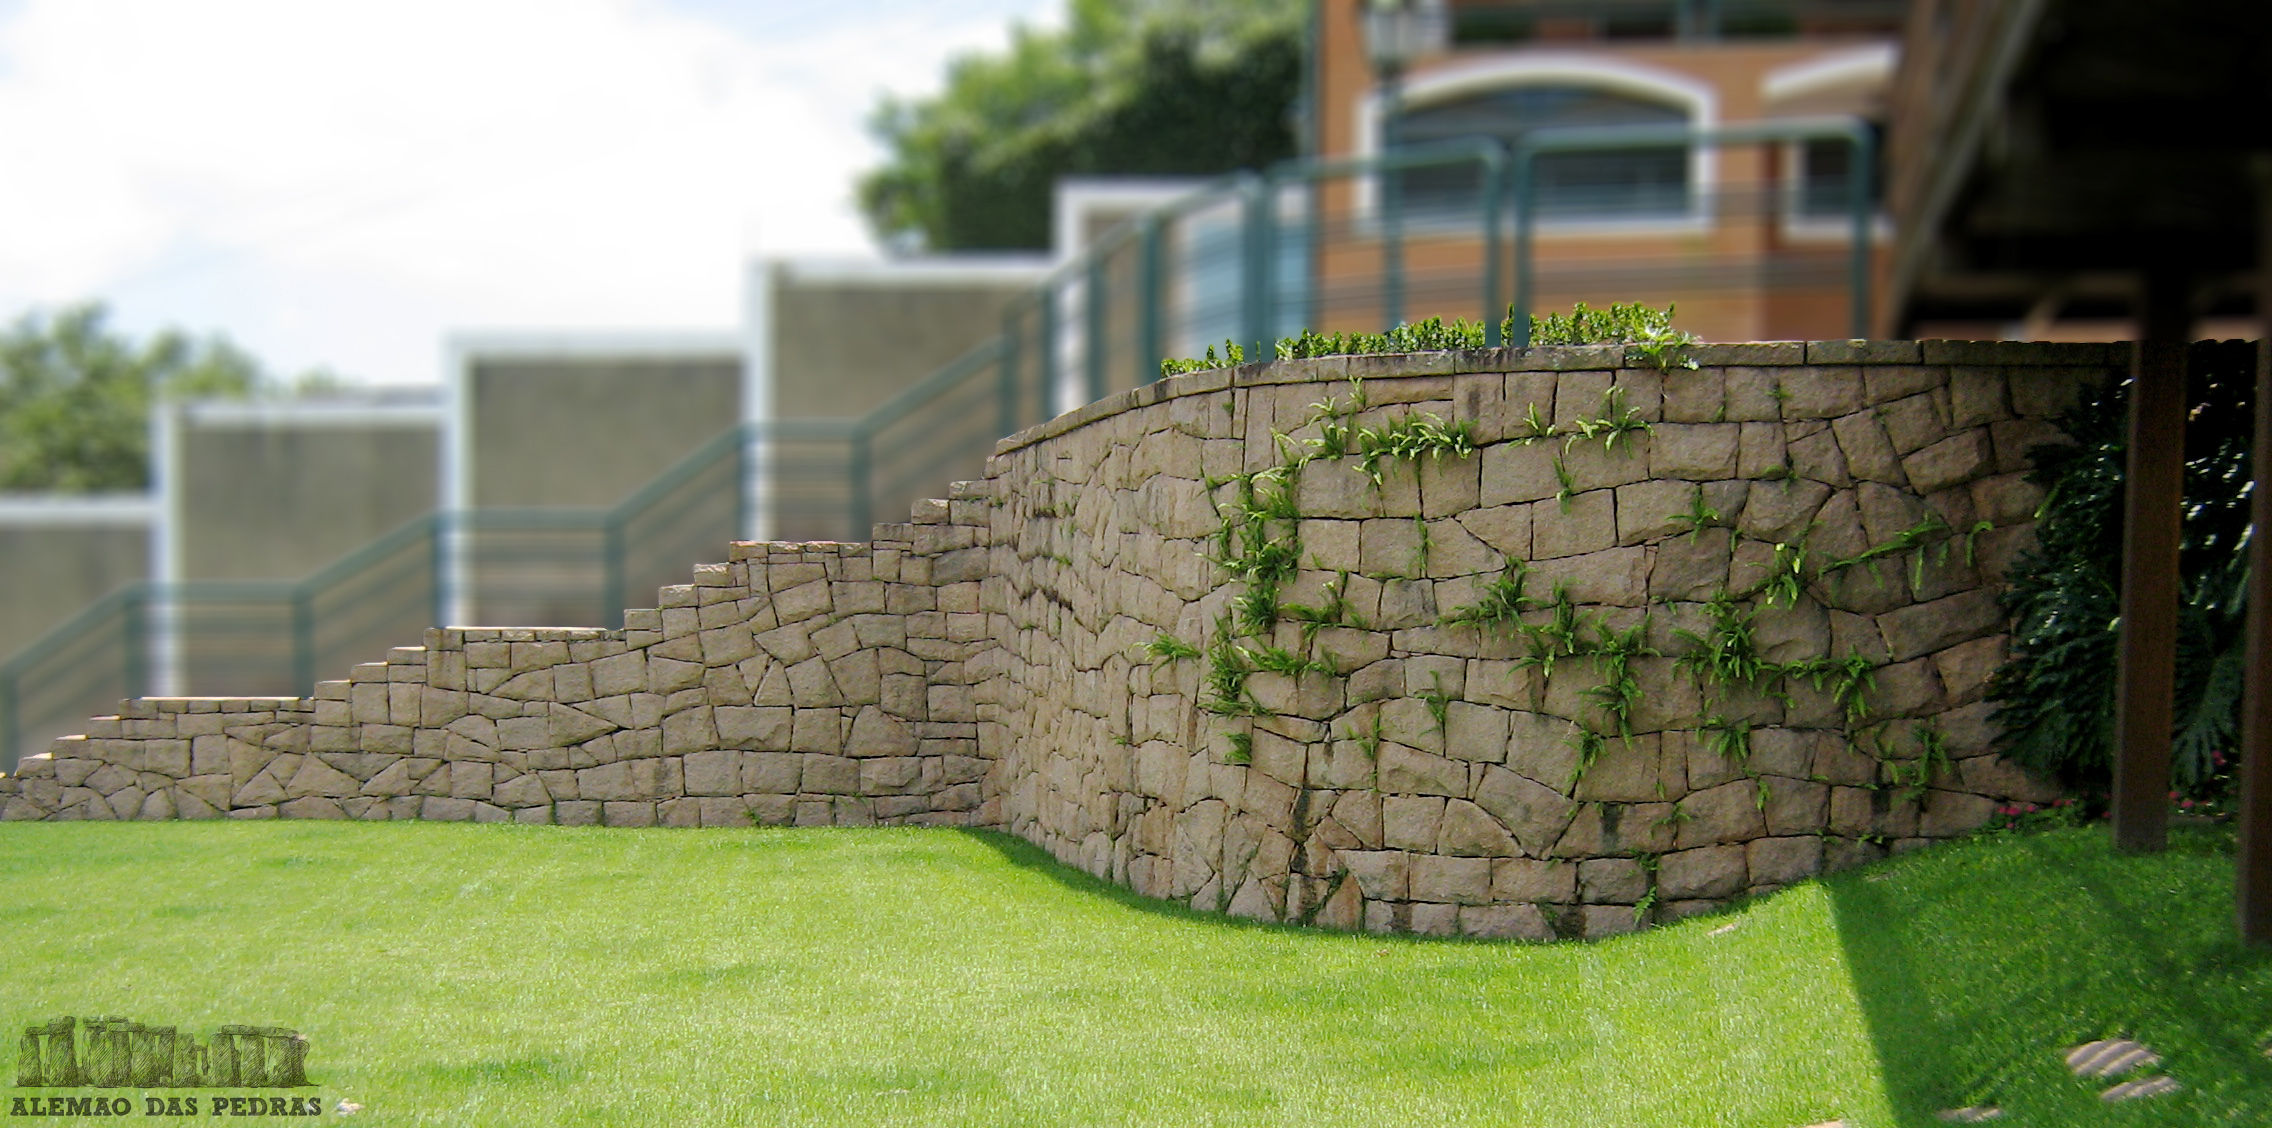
{"points": [[1332, 245], [251, 638], [1360, 244]]}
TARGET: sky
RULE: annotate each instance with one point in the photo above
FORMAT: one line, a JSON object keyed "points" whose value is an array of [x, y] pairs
{"points": [[339, 184]]}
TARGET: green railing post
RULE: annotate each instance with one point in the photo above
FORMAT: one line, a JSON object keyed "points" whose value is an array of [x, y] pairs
{"points": [[1858, 191], [438, 565], [1045, 357], [11, 725], [611, 574], [1148, 349], [1093, 327], [1494, 191], [742, 436], [134, 630], [862, 526], [1518, 312], [1254, 303], [1392, 213], [303, 640], [1006, 407]]}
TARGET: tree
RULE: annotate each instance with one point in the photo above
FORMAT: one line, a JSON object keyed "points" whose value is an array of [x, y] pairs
{"points": [[75, 397], [1130, 87]]}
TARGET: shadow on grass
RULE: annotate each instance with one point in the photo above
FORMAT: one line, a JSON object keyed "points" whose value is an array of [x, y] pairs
{"points": [[1979, 964], [1027, 856]]}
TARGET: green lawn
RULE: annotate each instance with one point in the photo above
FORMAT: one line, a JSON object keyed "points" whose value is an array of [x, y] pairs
{"points": [[453, 974]]}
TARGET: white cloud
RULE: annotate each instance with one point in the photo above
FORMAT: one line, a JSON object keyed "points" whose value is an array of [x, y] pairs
{"points": [[341, 182]]}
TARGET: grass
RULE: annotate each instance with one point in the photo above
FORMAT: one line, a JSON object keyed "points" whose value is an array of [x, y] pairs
{"points": [[451, 974]]}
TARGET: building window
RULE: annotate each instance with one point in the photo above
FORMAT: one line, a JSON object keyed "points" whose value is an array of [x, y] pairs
{"points": [[1645, 183], [1825, 180]]}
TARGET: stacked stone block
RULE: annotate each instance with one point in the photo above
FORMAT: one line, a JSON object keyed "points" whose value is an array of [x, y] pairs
{"points": [[1430, 782], [797, 684], [988, 662]]}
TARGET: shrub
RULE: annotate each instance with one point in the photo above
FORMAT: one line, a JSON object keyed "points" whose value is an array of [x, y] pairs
{"points": [[2056, 695]]}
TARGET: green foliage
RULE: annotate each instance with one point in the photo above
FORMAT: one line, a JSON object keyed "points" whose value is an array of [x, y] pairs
{"points": [[1786, 576], [1129, 87], [1725, 653], [2056, 696], [1568, 484], [1432, 335], [1616, 424], [1415, 436], [1619, 690], [1913, 776], [1730, 738], [1929, 539], [1558, 637], [1438, 702], [1279, 660], [1649, 331], [1699, 517], [1649, 864], [1334, 611], [1502, 601], [76, 396], [1589, 745], [1228, 665], [1242, 749], [1368, 739], [1848, 680], [1535, 427], [1168, 648], [1234, 354]]}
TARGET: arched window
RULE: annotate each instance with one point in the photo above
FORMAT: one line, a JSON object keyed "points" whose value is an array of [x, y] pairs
{"points": [[1642, 183]]}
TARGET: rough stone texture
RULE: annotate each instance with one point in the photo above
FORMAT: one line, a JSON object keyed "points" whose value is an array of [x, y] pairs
{"points": [[985, 663]]}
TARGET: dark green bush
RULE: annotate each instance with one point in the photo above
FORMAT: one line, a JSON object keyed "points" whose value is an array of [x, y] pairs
{"points": [[2056, 695]]}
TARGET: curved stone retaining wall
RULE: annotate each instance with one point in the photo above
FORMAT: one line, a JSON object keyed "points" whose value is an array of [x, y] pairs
{"points": [[1395, 752]]}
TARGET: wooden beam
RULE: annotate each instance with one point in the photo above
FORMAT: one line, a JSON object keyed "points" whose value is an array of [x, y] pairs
{"points": [[2252, 869], [2152, 500], [2252, 875]]}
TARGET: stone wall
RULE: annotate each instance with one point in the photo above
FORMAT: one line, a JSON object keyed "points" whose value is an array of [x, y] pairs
{"points": [[1394, 752], [798, 684]]}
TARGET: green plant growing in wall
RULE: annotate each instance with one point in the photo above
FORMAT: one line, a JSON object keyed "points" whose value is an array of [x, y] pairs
{"points": [[1557, 637], [1615, 426], [1786, 577], [1227, 668], [1278, 660], [1242, 749], [1501, 602], [1368, 739], [1168, 648], [1649, 864], [1411, 438], [1729, 738], [1438, 702], [1699, 516], [1568, 484], [1848, 680], [1619, 690], [1726, 652], [1332, 612], [1535, 428]]}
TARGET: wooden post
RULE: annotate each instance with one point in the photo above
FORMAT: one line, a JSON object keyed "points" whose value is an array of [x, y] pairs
{"points": [[2152, 500], [2252, 876]]}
